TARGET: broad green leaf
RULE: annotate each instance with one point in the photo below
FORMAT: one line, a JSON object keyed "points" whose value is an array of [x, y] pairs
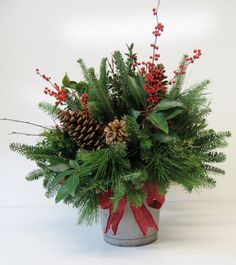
{"points": [[168, 104], [141, 81], [145, 133], [136, 91], [60, 167], [61, 176], [72, 182], [61, 194], [73, 85], [159, 121], [82, 87], [166, 138], [172, 114], [74, 164], [66, 81]]}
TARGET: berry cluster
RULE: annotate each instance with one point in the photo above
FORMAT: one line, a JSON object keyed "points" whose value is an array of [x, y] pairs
{"points": [[59, 94], [182, 68], [154, 84], [84, 101], [152, 73], [196, 55]]}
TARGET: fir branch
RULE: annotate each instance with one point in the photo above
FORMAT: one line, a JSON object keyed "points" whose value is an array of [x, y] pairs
{"points": [[214, 170], [48, 108], [132, 129], [121, 68], [103, 73], [88, 74], [35, 174], [178, 86]]}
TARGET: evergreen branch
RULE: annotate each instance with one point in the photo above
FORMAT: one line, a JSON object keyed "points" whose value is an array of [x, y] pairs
{"points": [[88, 74], [178, 86], [121, 68], [48, 108], [214, 170], [35, 174], [103, 73]]}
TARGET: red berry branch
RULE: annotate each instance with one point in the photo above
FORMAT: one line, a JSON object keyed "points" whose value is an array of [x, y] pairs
{"points": [[182, 68], [59, 94], [84, 101], [152, 73]]}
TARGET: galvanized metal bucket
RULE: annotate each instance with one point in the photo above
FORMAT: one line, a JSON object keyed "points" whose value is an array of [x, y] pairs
{"points": [[129, 233]]}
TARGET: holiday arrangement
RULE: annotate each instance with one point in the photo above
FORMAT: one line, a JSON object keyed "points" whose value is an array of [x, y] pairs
{"points": [[123, 136]]}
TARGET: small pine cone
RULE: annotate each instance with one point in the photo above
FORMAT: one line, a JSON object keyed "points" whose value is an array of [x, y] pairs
{"points": [[87, 132], [115, 132]]}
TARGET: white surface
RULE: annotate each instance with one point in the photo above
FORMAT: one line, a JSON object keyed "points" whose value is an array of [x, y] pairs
{"points": [[196, 233]]}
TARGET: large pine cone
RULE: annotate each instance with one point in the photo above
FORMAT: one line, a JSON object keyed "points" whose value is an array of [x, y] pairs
{"points": [[115, 132], [87, 132]]}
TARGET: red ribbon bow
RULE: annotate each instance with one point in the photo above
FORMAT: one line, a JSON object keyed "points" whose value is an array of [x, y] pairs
{"points": [[141, 214]]}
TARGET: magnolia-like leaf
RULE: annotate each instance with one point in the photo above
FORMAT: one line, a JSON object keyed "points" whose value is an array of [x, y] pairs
{"points": [[59, 167], [73, 85], [72, 182], [82, 87], [136, 91], [173, 114], [61, 194], [166, 138], [74, 164], [66, 81], [159, 121], [61, 176], [168, 104]]}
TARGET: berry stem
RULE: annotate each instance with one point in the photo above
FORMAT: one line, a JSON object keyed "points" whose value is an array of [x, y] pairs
{"points": [[157, 20]]}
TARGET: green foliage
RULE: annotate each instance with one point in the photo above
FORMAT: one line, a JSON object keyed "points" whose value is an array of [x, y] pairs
{"points": [[103, 74], [100, 104], [88, 74], [159, 121], [130, 60], [122, 72], [169, 143], [49, 109], [138, 96], [132, 128], [35, 174], [177, 88]]}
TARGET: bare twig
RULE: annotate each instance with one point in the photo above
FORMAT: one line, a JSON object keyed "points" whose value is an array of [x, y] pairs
{"points": [[26, 122], [26, 134]]}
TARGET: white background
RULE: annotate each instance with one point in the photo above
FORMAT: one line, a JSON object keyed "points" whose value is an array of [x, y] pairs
{"points": [[52, 35]]}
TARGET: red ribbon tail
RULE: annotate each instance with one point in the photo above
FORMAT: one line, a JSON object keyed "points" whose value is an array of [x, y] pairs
{"points": [[144, 219], [115, 217]]}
